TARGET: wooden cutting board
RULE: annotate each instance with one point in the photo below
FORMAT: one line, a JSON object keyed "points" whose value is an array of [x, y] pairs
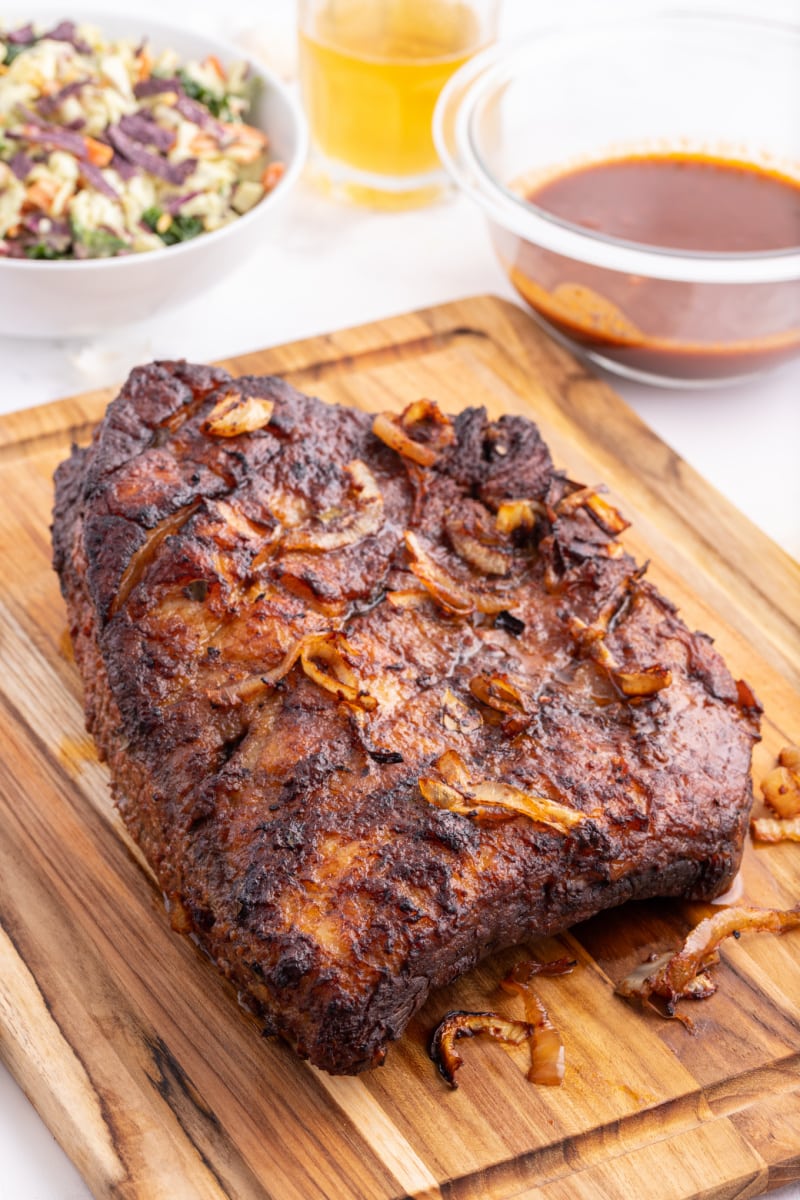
{"points": [[134, 1050]]}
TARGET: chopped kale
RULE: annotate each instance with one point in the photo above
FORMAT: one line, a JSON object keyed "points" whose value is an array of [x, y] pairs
{"points": [[216, 105], [13, 50], [96, 243], [182, 229], [42, 250]]}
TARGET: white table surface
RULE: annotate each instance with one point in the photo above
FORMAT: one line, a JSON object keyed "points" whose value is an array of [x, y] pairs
{"points": [[328, 266]]}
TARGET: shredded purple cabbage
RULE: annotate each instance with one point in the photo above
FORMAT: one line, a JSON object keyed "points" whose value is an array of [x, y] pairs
{"points": [[49, 105], [24, 36], [174, 205], [42, 132], [198, 114], [94, 176], [155, 85], [21, 164], [175, 173], [124, 169], [57, 139], [40, 230], [65, 31], [143, 127]]}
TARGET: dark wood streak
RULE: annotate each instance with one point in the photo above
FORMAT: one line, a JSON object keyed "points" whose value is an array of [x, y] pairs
{"points": [[199, 1123]]}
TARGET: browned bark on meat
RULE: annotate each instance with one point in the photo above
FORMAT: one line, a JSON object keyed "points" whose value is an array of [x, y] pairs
{"points": [[281, 632]]}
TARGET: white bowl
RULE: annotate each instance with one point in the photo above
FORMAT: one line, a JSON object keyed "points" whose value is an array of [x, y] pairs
{"points": [[74, 299], [677, 80]]}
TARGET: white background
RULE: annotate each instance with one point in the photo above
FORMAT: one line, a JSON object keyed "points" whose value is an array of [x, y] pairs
{"points": [[328, 266]]}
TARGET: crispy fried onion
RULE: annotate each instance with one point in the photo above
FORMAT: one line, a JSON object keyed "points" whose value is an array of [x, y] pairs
{"points": [[331, 531], [234, 414], [458, 717], [457, 1025], [781, 787], [781, 791], [591, 641], [395, 431], [518, 514], [607, 517], [684, 975], [547, 1049], [492, 800], [407, 597], [773, 830], [498, 692], [327, 659], [477, 543], [141, 559], [450, 594]]}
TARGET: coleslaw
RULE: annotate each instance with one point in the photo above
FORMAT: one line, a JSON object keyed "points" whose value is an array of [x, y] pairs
{"points": [[106, 149]]}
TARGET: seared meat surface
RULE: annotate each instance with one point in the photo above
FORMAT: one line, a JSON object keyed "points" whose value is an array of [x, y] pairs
{"points": [[377, 703]]}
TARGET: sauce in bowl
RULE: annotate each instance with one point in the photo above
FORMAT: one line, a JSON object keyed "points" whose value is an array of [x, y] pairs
{"points": [[682, 202]]}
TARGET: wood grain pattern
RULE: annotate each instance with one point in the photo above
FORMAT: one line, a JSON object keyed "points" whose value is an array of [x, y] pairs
{"points": [[133, 1048]]}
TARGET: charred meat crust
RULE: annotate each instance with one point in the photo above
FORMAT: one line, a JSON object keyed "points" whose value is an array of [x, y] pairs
{"points": [[278, 798]]}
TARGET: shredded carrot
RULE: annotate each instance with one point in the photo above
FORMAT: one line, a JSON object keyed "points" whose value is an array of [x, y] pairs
{"points": [[203, 144], [99, 154], [39, 195], [216, 66], [271, 175], [144, 65]]}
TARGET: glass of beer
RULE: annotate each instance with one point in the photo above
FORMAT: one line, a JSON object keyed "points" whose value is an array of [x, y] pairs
{"points": [[371, 73]]}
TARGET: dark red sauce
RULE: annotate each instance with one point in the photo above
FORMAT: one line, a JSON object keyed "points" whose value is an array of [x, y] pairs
{"points": [[678, 202]]}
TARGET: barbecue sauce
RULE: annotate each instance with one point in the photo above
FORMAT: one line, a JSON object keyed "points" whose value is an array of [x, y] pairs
{"points": [[680, 202]]}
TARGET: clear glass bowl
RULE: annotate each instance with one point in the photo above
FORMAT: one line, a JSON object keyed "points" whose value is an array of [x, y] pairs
{"points": [[681, 82]]}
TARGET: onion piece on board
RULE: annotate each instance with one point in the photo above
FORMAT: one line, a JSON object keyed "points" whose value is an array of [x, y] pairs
{"points": [[547, 1049], [773, 830], [683, 975], [781, 786], [457, 1025]]}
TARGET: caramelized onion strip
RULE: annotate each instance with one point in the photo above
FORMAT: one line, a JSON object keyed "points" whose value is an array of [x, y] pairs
{"points": [[458, 717], [324, 659], [496, 691], [781, 786], [391, 434], [773, 830], [234, 414], [456, 1025], [488, 559], [454, 597], [408, 597], [141, 559], [394, 432], [547, 1049], [642, 683], [364, 519], [517, 514], [336, 675], [682, 975], [492, 800]]}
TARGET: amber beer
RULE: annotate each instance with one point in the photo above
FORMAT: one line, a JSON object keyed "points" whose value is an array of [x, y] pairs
{"points": [[371, 74]]}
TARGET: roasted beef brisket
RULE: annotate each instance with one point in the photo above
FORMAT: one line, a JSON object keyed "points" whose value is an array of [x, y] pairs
{"points": [[381, 696]]}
